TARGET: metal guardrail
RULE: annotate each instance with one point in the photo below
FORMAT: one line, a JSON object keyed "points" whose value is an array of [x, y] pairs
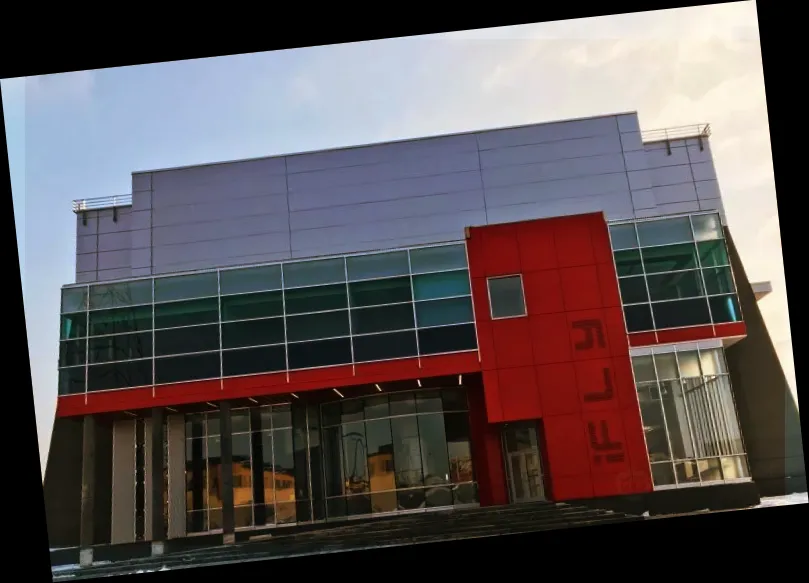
{"points": [[647, 137], [702, 130], [102, 202]]}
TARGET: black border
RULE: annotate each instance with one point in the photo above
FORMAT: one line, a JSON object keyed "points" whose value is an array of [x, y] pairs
{"points": [[137, 35]]}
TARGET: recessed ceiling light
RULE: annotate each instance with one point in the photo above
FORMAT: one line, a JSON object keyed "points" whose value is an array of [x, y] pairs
{"points": [[418, 381], [460, 379], [338, 393], [251, 399], [294, 395], [378, 388]]}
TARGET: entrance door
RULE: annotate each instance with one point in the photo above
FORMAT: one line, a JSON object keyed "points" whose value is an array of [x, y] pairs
{"points": [[523, 466]]}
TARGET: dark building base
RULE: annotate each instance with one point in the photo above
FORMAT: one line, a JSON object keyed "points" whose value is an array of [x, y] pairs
{"points": [[681, 500]]}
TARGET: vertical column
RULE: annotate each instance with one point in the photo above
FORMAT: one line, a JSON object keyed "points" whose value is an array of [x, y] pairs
{"points": [[228, 518], [156, 466], [300, 438], [257, 447], [87, 491], [175, 428], [123, 482], [145, 501]]}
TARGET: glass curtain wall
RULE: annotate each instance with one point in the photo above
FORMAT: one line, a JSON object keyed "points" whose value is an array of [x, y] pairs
{"points": [[674, 272], [397, 452], [689, 417], [264, 469], [272, 318]]}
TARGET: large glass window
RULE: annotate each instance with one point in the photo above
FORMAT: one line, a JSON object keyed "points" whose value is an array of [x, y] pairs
{"points": [[679, 274], [263, 468], [401, 451], [253, 320], [689, 417]]}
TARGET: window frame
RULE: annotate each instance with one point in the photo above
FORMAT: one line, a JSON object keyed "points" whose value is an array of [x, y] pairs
{"points": [[524, 313]]}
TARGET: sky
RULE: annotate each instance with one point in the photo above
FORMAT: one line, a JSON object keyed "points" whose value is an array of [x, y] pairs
{"points": [[81, 135]]}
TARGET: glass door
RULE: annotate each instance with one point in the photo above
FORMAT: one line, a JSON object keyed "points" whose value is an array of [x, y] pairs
{"points": [[523, 465]]}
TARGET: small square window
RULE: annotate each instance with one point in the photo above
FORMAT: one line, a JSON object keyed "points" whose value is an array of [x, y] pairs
{"points": [[506, 297]]}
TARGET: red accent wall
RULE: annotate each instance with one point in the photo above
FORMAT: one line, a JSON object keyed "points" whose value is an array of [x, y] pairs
{"points": [[689, 334], [267, 384], [566, 362]]}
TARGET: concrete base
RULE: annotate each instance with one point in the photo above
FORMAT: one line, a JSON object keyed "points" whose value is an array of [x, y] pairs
{"points": [[228, 539], [85, 557], [720, 496], [158, 548]]}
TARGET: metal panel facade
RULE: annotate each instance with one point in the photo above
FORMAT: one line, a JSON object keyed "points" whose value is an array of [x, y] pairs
{"points": [[391, 195]]}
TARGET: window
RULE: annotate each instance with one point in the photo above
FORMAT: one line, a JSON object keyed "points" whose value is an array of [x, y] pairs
{"points": [[689, 417], [288, 316], [676, 274], [506, 297]]}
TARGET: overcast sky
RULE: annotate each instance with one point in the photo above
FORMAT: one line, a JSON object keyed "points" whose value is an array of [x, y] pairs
{"points": [[81, 135]]}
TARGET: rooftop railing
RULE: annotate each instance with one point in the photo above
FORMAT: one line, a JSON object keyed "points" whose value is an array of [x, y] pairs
{"points": [[101, 202], [700, 131]]}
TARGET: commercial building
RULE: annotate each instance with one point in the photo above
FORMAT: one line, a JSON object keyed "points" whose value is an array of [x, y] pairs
{"points": [[555, 311]]}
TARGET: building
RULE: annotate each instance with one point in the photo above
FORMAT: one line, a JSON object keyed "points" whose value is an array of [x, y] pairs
{"points": [[554, 311]]}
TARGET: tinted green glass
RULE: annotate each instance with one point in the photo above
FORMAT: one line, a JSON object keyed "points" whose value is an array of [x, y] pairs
{"points": [[384, 346], [321, 353], [120, 347], [713, 253], [119, 375], [72, 352], [725, 309], [186, 368], [638, 318], [190, 313], [121, 294], [718, 280], [664, 231], [628, 262], [673, 286], [186, 340], [670, 258], [506, 297], [251, 279], [248, 306], [320, 272], [73, 325], [707, 227], [432, 259], [71, 380], [623, 236], [253, 333], [382, 319], [440, 285], [377, 265], [681, 313], [447, 339], [121, 320], [633, 290], [316, 326], [380, 291], [444, 312], [185, 287], [316, 299], [74, 299], [253, 360]]}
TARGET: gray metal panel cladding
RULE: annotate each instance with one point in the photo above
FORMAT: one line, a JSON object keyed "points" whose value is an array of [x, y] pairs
{"points": [[389, 195]]}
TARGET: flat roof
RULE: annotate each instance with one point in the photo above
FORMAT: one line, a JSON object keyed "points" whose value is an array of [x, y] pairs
{"points": [[384, 143]]}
